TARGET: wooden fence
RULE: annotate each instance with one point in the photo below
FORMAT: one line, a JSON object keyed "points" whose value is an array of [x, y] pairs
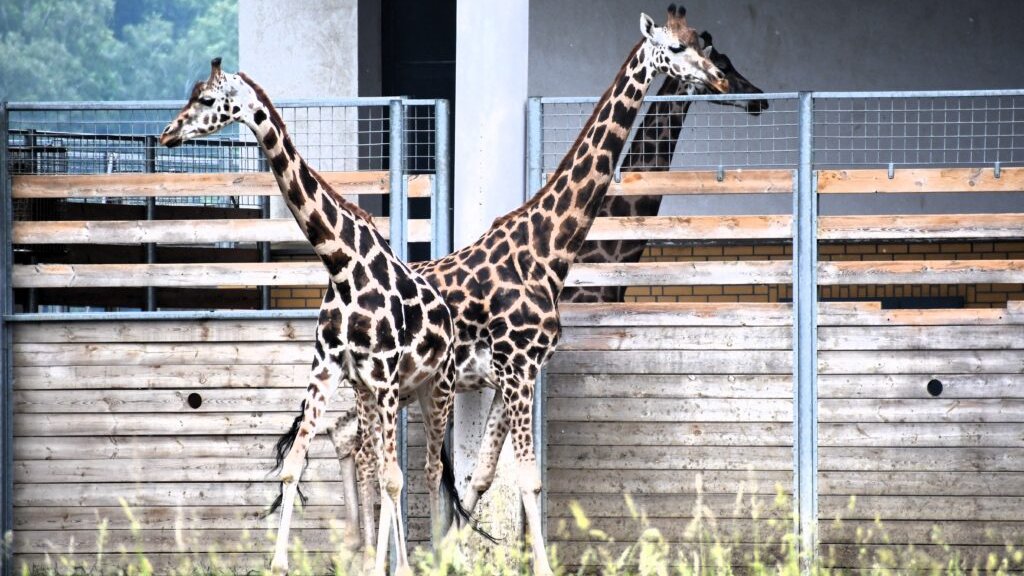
{"points": [[641, 399]]}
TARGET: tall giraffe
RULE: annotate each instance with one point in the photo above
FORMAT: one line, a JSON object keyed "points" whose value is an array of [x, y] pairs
{"points": [[383, 329], [651, 151], [503, 289]]}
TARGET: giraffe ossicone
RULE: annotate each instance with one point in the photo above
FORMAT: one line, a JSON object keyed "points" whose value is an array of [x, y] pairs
{"points": [[382, 329]]}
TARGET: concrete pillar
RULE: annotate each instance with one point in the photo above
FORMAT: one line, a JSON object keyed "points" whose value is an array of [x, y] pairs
{"points": [[492, 49], [304, 49]]}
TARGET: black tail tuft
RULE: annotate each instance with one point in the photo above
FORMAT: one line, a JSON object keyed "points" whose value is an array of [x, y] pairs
{"points": [[281, 449], [448, 485]]}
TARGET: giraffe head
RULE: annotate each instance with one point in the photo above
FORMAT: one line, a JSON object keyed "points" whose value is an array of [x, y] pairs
{"points": [[674, 49], [215, 103], [738, 83]]}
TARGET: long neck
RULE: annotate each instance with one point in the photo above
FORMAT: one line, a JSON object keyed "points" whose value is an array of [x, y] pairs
{"points": [[332, 224], [561, 214]]}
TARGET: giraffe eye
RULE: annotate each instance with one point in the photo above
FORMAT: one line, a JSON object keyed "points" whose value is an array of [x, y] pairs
{"points": [[207, 101], [677, 49]]}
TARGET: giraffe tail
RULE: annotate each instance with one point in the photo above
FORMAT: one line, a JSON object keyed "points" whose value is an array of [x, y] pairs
{"points": [[448, 485], [281, 449]]}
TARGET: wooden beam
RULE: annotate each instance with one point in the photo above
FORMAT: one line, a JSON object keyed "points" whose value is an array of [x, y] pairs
{"points": [[922, 272], [691, 228], [703, 182], [877, 181], [679, 273], [182, 231], [196, 275], [208, 184]]}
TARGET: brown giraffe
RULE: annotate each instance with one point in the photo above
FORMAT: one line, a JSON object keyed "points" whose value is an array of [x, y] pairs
{"points": [[503, 289], [651, 151], [383, 329]]}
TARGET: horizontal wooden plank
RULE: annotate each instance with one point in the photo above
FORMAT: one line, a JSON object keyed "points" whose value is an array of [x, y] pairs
{"points": [[198, 275], [921, 227], [676, 314], [884, 459], [953, 337], [691, 228], [669, 433], [148, 424], [780, 272], [600, 506], [670, 409], [170, 494], [164, 562], [617, 482], [901, 532], [758, 458], [922, 483], [193, 540], [920, 410], [703, 182], [679, 273], [103, 331], [741, 386], [158, 401], [182, 231], [954, 386], [672, 362], [161, 376], [41, 518], [198, 184], [677, 338], [876, 227], [872, 314], [874, 181], [111, 447], [938, 508], [158, 354], [914, 362], [921, 434], [215, 470]]}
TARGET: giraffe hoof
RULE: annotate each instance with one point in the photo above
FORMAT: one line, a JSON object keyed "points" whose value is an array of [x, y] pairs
{"points": [[403, 571], [279, 567]]}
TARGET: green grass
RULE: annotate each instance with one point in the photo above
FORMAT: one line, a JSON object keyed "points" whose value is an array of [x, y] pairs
{"points": [[702, 547]]}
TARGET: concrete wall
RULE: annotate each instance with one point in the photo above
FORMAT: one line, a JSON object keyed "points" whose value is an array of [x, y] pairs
{"points": [[788, 45]]}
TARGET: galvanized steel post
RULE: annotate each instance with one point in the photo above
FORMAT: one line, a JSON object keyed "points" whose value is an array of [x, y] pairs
{"points": [[150, 144], [6, 354], [805, 303], [534, 181], [440, 237], [398, 209]]}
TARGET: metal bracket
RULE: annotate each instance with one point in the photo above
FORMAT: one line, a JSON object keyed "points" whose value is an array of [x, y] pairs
{"points": [[720, 174], [618, 175], [997, 170], [892, 170]]}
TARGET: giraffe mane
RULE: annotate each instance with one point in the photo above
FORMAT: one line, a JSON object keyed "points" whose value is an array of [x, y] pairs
{"points": [[275, 117], [566, 164]]}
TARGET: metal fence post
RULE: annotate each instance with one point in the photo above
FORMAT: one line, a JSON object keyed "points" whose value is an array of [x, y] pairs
{"points": [[441, 245], [398, 228], [150, 144], [534, 181], [805, 303], [6, 355]]}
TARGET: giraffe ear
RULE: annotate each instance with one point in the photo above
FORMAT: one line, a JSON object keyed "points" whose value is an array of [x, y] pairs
{"points": [[647, 26]]}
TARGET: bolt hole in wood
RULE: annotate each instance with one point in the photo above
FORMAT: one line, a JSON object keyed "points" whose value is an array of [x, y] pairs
{"points": [[934, 387], [195, 400]]}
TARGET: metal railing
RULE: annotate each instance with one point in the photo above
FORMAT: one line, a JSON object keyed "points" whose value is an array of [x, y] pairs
{"points": [[801, 133], [398, 135]]}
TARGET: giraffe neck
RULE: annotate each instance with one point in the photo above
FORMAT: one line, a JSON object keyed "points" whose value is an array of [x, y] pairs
{"points": [[330, 223], [561, 214]]}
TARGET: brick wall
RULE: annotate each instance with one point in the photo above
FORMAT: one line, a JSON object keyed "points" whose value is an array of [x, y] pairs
{"points": [[974, 295]]}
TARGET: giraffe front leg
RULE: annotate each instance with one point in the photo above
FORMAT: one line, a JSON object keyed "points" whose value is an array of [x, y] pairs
{"points": [[323, 381], [391, 481], [490, 450], [366, 462]]}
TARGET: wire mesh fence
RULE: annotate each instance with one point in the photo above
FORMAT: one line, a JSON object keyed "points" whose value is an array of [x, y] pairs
{"points": [[850, 130]]}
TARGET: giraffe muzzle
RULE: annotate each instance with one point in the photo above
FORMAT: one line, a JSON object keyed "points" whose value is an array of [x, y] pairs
{"points": [[170, 140]]}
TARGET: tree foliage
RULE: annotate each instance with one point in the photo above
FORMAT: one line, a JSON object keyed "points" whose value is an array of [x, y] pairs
{"points": [[98, 50]]}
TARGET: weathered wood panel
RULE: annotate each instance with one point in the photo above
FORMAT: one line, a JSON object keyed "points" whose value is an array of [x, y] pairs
{"points": [[875, 181], [191, 184], [183, 231]]}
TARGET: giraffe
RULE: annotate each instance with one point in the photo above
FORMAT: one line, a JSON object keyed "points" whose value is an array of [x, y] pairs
{"points": [[503, 289], [382, 329], [651, 151]]}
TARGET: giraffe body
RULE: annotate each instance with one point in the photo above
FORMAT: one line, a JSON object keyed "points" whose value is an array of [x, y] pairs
{"points": [[383, 329], [503, 290], [651, 151]]}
